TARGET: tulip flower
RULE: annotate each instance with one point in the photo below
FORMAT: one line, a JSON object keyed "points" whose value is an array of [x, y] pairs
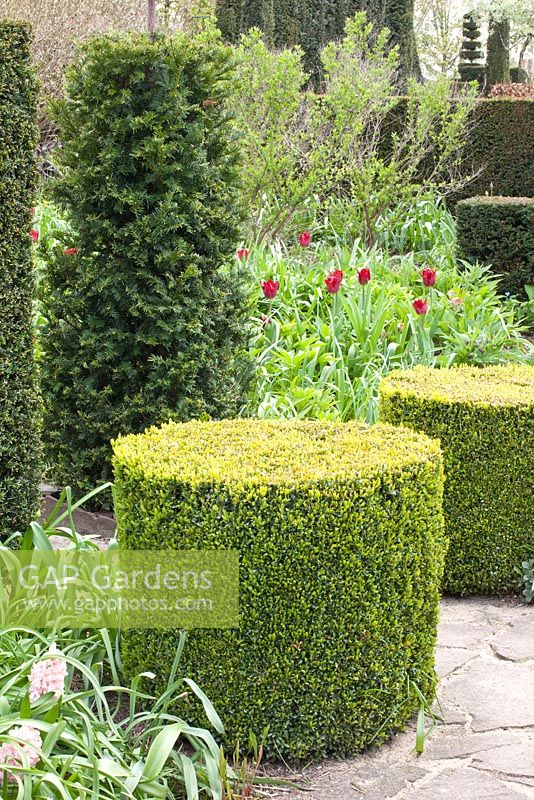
{"points": [[364, 276], [420, 306], [34, 234], [243, 253], [270, 288], [305, 239], [334, 280], [71, 251], [428, 276]]}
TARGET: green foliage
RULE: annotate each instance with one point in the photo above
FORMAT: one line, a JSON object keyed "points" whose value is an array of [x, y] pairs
{"points": [[323, 356], [339, 529], [499, 152], [484, 420], [499, 231], [303, 145], [527, 580], [19, 441], [142, 324], [97, 728]]}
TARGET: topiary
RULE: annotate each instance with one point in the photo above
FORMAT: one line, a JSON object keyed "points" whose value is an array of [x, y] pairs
{"points": [[484, 419], [143, 323], [470, 66], [19, 404], [339, 528]]}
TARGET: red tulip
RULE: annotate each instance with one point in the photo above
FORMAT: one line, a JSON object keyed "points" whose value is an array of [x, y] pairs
{"points": [[420, 306], [333, 280], [270, 288], [305, 239], [34, 234], [71, 251], [429, 276], [242, 253], [364, 276]]}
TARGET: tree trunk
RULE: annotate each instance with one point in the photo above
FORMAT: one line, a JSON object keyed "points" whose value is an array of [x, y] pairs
{"points": [[152, 18], [524, 49], [498, 53]]}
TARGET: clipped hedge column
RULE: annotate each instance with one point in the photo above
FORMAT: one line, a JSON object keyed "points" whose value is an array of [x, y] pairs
{"points": [[499, 231], [339, 528], [19, 441], [484, 419], [144, 324]]}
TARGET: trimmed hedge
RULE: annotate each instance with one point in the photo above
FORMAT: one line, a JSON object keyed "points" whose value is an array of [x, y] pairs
{"points": [[500, 149], [484, 419], [19, 407], [148, 321], [339, 528], [499, 231]]}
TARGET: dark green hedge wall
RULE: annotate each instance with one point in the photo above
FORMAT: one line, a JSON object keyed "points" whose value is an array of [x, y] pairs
{"points": [[146, 321], [339, 528], [484, 419], [499, 231], [19, 408], [501, 149]]}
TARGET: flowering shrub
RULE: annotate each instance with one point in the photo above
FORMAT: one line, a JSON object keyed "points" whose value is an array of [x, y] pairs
{"points": [[344, 317], [304, 149]]}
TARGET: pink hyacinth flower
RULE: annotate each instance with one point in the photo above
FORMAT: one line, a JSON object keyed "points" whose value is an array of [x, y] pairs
{"points": [[25, 753], [48, 675]]}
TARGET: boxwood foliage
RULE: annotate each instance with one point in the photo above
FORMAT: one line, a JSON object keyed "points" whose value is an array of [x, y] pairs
{"points": [[144, 323], [339, 528], [499, 231], [19, 440], [484, 419]]}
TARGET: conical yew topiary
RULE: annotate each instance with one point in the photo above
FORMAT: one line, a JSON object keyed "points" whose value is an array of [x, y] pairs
{"points": [[145, 323]]}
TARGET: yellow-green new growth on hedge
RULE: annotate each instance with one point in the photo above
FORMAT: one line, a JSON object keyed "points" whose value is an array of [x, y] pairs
{"points": [[484, 419], [339, 529]]}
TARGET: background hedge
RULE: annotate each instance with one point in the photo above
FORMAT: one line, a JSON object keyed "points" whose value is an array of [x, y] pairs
{"points": [[339, 529], [19, 443], [498, 152], [484, 419], [499, 231], [143, 323], [500, 149]]}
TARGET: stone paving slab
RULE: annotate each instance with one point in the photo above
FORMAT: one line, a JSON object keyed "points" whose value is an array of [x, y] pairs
{"points": [[484, 747]]}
